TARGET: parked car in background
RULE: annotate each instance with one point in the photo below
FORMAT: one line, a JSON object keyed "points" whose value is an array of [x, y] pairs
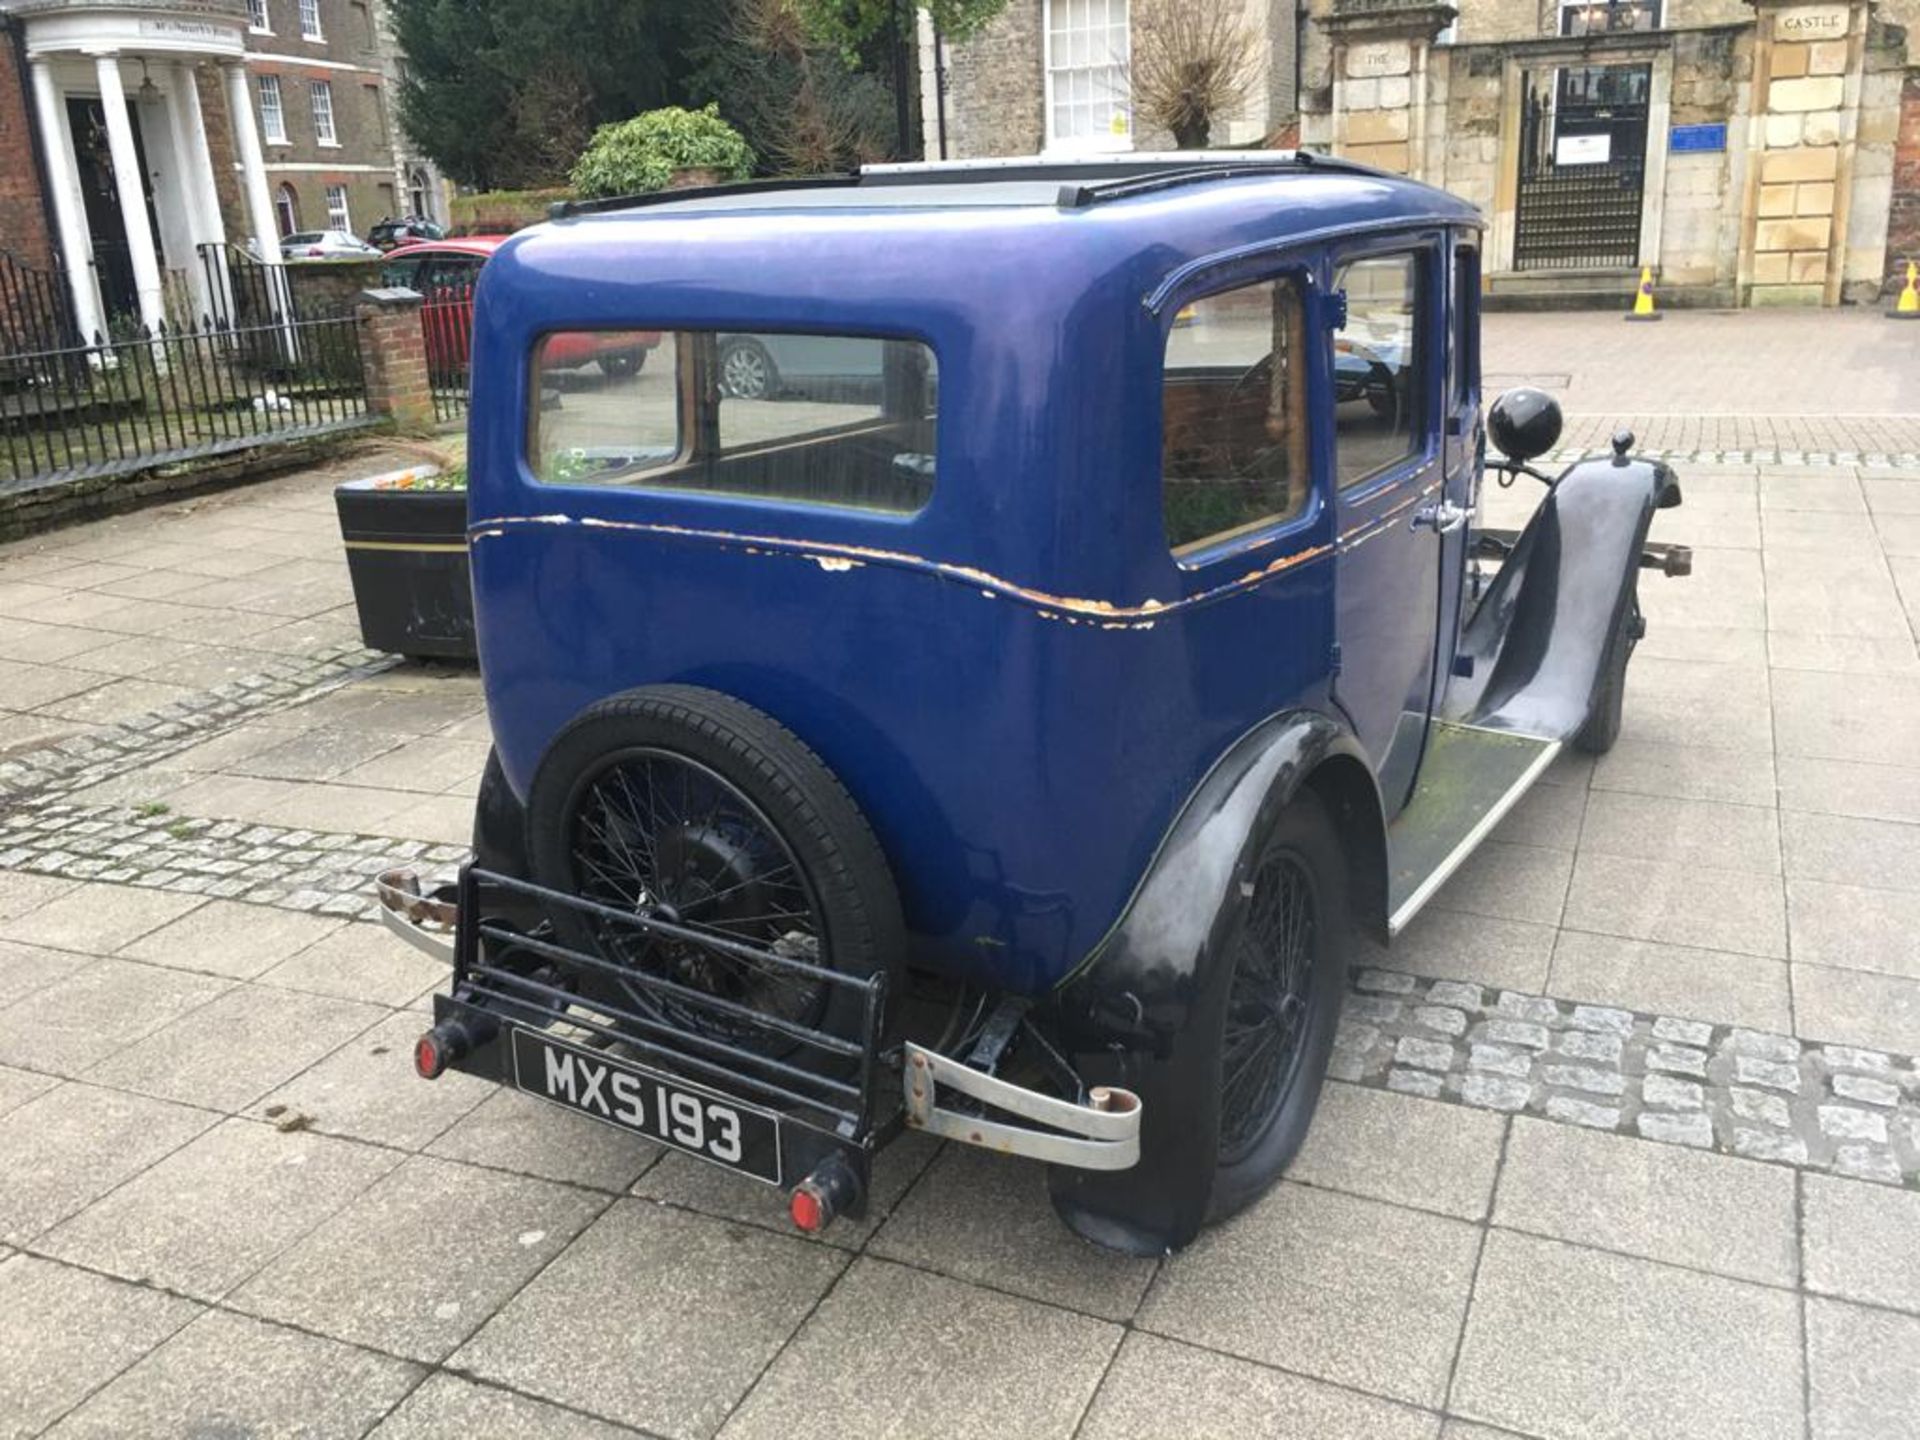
{"points": [[445, 272], [761, 367], [390, 234], [326, 245]]}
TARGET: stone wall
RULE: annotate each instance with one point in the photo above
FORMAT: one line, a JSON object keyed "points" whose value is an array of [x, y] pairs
{"points": [[1700, 201], [1870, 203], [996, 87], [1903, 221]]}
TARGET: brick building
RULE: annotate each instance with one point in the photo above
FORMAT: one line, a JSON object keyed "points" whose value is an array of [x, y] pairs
{"points": [[1749, 151], [136, 133]]}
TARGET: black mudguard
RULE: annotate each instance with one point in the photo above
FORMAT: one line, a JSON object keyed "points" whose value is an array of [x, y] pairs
{"points": [[1534, 650], [1144, 1012], [499, 825]]}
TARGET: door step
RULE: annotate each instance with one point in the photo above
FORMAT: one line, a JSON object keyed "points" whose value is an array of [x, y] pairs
{"points": [[1469, 778]]}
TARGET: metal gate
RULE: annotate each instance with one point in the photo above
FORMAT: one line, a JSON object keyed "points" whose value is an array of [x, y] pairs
{"points": [[1583, 158]]}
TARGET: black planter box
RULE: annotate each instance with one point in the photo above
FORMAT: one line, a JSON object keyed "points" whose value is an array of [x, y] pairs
{"points": [[407, 554]]}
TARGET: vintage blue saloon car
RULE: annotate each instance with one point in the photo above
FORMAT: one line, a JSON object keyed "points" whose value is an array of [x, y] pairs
{"points": [[1008, 739]]}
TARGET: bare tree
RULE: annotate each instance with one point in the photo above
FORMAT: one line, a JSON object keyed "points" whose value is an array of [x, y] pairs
{"points": [[1194, 62]]}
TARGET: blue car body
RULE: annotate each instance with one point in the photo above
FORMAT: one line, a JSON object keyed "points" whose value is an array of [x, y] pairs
{"points": [[1019, 685], [1072, 721]]}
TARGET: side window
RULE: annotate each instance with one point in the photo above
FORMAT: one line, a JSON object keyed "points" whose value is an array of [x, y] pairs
{"points": [[1466, 324], [402, 272], [1379, 367], [601, 424], [842, 420], [1233, 403]]}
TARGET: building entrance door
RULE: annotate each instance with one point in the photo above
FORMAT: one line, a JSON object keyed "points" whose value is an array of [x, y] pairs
{"points": [[1583, 161], [112, 259]]}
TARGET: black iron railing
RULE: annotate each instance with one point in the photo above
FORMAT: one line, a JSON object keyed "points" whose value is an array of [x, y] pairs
{"points": [[446, 317], [124, 404], [36, 308], [1581, 211]]}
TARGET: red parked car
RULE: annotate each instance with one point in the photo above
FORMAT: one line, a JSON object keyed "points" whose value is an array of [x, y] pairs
{"points": [[444, 272]]}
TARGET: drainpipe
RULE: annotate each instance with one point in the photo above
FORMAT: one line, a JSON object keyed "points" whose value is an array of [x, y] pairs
{"points": [[940, 88]]}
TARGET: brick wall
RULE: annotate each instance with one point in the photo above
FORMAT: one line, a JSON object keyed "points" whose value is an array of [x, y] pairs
{"points": [[393, 352], [220, 153], [23, 224], [997, 86], [1903, 222], [361, 160]]}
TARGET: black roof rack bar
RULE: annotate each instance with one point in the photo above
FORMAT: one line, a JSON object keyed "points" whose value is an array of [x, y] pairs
{"points": [[566, 209], [1080, 196]]}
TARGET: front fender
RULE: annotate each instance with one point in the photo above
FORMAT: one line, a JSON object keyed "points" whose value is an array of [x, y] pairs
{"points": [[1536, 645], [1144, 1012]]}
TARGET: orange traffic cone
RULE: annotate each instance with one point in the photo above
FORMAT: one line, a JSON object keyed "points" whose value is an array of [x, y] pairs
{"points": [[1643, 301], [1907, 307]]}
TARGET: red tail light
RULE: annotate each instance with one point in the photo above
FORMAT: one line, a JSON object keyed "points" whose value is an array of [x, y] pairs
{"points": [[809, 1212], [429, 1057]]}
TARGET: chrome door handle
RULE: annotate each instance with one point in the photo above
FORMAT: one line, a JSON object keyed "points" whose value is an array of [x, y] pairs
{"points": [[1443, 518]]}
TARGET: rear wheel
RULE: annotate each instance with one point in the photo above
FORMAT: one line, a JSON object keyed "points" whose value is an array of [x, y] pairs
{"points": [[1288, 950], [691, 807], [1596, 737]]}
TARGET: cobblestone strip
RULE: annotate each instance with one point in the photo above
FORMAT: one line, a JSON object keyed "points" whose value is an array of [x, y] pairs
{"points": [[1769, 1097], [1853, 1111], [327, 874], [1869, 459], [117, 749]]}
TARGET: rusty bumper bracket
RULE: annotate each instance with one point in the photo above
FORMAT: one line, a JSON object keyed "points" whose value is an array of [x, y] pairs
{"points": [[425, 918], [1103, 1134]]}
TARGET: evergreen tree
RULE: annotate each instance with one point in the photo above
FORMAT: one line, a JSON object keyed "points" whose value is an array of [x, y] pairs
{"points": [[505, 94]]}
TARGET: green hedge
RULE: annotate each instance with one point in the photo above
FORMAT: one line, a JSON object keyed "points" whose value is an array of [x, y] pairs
{"points": [[642, 154]]}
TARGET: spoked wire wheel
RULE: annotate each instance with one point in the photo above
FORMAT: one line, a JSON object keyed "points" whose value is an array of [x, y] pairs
{"points": [[662, 836], [1269, 1001]]}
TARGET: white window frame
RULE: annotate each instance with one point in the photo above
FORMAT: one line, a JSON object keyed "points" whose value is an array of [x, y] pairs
{"points": [[286, 208], [258, 20], [310, 10], [324, 131], [1106, 140], [273, 115], [339, 217]]}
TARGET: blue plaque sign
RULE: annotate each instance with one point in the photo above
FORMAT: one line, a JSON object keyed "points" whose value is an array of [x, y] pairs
{"points": [[1695, 138]]}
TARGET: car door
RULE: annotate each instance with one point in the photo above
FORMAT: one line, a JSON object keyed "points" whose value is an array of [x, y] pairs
{"points": [[1464, 441], [1389, 488]]}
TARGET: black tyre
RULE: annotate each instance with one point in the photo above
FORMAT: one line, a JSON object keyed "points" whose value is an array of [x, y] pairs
{"points": [[618, 364], [1596, 737], [695, 807], [1289, 949], [747, 371]]}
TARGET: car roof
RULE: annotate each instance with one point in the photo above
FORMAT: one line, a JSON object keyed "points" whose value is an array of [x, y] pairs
{"points": [[1015, 182], [896, 245]]}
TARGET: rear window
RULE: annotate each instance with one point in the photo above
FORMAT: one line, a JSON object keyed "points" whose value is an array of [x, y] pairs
{"points": [[840, 420]]}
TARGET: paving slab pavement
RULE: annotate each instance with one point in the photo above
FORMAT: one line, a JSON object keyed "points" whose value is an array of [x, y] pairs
{"points": [[1623, 1137]]}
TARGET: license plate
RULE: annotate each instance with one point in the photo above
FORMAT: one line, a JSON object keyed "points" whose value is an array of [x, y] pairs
{"points": [[646, 1102]]}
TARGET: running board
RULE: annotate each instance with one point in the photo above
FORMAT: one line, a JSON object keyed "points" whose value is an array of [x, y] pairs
{"points": [[1469, 779]]}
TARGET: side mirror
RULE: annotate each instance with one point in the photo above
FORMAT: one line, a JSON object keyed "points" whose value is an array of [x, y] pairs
{"points": [[1524, 423]]}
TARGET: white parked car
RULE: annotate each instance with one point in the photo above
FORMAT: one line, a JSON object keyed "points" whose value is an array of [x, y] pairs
{"points": [[327, 245]]}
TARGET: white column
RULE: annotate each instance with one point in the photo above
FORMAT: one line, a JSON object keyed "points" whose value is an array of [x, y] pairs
{"points": [[63, 179], [131, 184], [253, 169], [202, 199]]}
